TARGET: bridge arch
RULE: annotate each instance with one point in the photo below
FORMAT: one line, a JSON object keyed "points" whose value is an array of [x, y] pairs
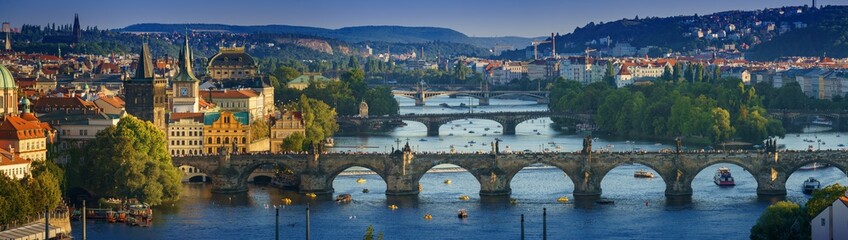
{"points": [[799, 164], [336, 171], [554, 189], [706, 172], [658, 185], [249, 169], [192, 173], [461, 177]]}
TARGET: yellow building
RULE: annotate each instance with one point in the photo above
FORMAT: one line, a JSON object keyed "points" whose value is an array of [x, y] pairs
{"points": [[284, 125], [231, 63], [225, 130]]}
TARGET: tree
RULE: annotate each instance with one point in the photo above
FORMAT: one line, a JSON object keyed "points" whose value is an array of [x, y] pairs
{"points": [[381, 101], [259, 130], [319, 120], [609, 75], [823, 198], [369, 234], [355, 79], [782, 220], [14, 200], [676, 73], [352, 63], [293, 142], [720, 128], [129, 160], [666, 76]]}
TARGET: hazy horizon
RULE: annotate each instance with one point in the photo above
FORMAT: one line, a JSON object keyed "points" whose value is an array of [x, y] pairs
{"points": [[477, 19]]}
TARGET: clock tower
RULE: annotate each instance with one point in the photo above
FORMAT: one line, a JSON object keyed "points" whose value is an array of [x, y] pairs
{"points": [[185, 84]]}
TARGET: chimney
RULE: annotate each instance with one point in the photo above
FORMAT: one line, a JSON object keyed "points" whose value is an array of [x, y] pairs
{"points": [[553, 46]]}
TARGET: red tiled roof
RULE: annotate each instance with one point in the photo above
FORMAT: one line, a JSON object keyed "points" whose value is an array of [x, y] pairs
{"points": [[624, 70], [115, 101], [14, 127], [244, 93], [5, 159], [63, 102], [197, 117]]}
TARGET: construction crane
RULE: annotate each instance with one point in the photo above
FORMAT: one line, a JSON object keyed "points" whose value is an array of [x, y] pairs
{"points": [[588, 50], [536, 48]]}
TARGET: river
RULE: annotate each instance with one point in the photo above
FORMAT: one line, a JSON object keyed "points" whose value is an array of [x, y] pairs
{"points": [[640, 210]]}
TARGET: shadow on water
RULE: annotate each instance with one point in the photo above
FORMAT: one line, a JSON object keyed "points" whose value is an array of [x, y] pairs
{"points": [[771, 199], [495, 202], [678, 202], [409, 201]]}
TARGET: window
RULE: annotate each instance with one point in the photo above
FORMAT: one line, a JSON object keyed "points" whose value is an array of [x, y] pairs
{"points": [[218, 140], [823, 222], [209, 141]]}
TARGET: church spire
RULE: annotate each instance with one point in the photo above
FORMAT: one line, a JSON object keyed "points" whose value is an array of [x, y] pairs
{"points": [[186, 71], [145, 63], [77, 30]]}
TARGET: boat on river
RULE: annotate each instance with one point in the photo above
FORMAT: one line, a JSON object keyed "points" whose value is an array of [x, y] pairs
{"points": [[462, 213], [464, 198], [723, 177], [448, 181], [811, 184], [344, 198], [563, 199], [643, 174], [360, 180], [814, 166]]}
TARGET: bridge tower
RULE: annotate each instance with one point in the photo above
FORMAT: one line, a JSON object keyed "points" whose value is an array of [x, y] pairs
{"points": [[420, 96], [485, 95]]}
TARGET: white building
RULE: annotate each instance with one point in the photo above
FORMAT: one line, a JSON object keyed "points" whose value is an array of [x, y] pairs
{"points": [[583, 70], [13, 166], [185, 134], [832, 222]]}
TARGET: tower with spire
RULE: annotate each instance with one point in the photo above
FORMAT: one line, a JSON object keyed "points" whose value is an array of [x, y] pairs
{"points": [[185, 84], [145, 93], [77, 37], [8, 47]]}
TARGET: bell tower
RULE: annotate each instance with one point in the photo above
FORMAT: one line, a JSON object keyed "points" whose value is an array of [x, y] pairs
{"points": [[145, 93], [185, 84]]}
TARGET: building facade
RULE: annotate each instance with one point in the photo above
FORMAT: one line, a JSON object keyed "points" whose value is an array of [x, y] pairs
{"points": [[284, 125], [231, 63], [185, 134], [226, 131]]}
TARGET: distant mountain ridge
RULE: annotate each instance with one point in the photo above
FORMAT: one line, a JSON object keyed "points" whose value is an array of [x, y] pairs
{"points": [[393, 34]]}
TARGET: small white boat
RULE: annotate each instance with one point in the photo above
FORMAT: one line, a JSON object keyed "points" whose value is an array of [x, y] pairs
{"points": [[643, 174], [811, 184]]}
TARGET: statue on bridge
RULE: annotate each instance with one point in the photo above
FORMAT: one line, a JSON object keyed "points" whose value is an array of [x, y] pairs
{"points": [[771, 145], [679, 144], [587, 144], [406, 148]]}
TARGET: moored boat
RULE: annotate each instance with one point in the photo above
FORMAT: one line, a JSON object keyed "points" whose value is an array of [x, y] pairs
{"points": [[563, 199], [811, 184], [344, 198], [360, 180], [643, 174], [723, 177]]}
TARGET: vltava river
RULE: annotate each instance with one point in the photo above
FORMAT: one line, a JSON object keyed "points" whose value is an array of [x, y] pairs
{"points": [[640, 210]]}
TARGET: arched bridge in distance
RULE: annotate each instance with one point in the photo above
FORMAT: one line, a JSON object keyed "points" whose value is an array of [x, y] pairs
{"points": [[402, 170], [508, 120], [421, 96]]}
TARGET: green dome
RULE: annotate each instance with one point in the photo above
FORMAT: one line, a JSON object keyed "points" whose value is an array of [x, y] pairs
{"points": [[6, 79]]}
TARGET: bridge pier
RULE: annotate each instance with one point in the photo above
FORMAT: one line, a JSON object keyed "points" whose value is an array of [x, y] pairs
{"points": [[771, 183], [509, 127], [484, 101], [401, 186], [494, 184], [315, 183], [433, 129]]}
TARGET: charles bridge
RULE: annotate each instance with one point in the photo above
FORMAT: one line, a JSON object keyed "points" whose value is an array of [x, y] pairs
{"points": [[508, 120], [402, 170]]}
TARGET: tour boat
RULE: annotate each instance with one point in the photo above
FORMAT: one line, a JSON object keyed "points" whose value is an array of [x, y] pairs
{"points": [[819, 120], [344, 198], [723, 177], [814, 166], [811, 184], [643, 174], [329, 142], [462, 213], [563, 199], [360, 180], [464, 198]]}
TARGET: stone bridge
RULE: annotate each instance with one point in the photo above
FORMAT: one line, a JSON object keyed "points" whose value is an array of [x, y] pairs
{"points": [[421, 96], [835, 118], [402, 170], [508, 120]]}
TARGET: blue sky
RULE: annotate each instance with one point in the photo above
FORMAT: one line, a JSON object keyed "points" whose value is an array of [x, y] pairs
{"points": [[472, 17]]}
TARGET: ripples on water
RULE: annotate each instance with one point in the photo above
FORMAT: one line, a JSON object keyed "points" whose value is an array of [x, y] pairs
{"points": [[640, 210]]}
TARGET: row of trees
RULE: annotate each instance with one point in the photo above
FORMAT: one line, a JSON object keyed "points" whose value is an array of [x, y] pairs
{"points": [[788, 220], [319, 120], [20, 199], [714, 112]]}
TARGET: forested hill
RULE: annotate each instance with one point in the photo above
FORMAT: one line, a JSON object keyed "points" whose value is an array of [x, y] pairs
{"points": [[391, 34], [771, 33]]}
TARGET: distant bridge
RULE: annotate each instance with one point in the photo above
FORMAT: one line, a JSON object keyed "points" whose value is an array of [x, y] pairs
{"points": [[403, 170], [509, 120]]}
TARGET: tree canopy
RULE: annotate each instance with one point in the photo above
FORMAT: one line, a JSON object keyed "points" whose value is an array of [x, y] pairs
{"points": [[782, 220], [129, 160]]}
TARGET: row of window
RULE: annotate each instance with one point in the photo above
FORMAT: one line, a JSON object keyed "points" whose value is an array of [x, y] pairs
{"points": [[32, 146], [226, 140], [213, 150], [175, 152], [15, 171], [190, 133], [183, 143]]}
